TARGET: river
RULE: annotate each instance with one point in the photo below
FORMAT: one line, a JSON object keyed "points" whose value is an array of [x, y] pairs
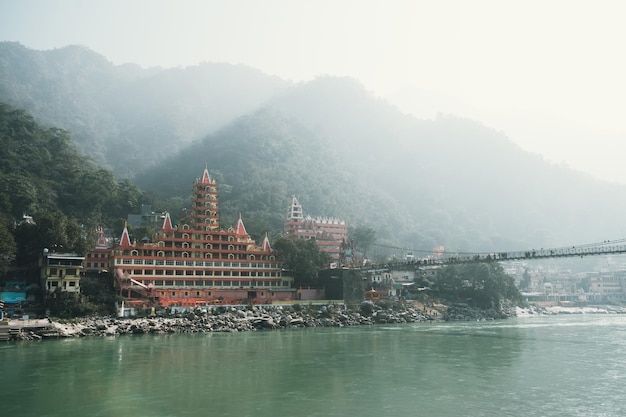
{"points": [[571, 365]]}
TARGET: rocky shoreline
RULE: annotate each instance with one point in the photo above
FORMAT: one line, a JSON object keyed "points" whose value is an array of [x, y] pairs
{"points": [[231, 319], [255, 318]]}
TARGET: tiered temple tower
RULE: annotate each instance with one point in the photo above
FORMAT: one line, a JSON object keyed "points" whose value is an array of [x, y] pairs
{"points": [[196, 262]]}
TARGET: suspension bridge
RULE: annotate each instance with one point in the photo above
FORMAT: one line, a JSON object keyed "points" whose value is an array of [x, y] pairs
{"points": [[607, 247]]}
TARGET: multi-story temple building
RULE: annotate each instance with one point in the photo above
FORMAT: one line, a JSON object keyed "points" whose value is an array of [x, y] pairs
{"points": [[330, 234], [196, 262], [97, 259]]}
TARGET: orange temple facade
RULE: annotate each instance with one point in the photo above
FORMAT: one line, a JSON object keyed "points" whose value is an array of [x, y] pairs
{"points": [[198, 263], [329, 233]]}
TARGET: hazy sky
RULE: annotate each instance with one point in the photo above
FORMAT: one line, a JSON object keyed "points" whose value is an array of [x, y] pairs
{"points": [[550, 74]]}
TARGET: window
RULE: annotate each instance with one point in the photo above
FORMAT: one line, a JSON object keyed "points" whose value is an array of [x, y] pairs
{"points": [[72, 283]]}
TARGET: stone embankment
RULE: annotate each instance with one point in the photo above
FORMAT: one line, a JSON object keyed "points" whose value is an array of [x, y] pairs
{"points": [[464, 312], [234, 319]]}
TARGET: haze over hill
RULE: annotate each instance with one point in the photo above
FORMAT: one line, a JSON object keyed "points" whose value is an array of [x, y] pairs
{"points": [[343, 152], [123, 116]]}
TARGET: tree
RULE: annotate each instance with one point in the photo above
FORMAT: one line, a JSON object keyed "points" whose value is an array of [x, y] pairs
{"points": [[7, 246], [482, 285], [363, 237], [302, 257], [526, 281]]}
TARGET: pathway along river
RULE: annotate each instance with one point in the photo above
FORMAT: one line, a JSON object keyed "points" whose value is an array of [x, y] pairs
{"points": [[541, 366]]}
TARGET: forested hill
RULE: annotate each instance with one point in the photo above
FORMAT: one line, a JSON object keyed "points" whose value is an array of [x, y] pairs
{"points": [[342, 152], [418, 183], [125, 117], [42, 175]]}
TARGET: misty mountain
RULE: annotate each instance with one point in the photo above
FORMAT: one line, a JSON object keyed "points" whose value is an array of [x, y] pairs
{"points": [[448, 181], [344, 153], [125, 117]]}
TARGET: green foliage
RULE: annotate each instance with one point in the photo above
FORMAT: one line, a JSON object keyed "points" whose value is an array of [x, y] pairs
{"points": [[526, 281], [303, 258], [68, 305], [483, 285], [363, 237], [98, 290], [66, 194], [7, 245]]}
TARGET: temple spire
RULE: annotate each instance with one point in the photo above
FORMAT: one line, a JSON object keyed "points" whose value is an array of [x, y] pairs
{"points": [[167, 223], [240, 230], [101, 243], [125, 240], [206, 179], [266, 244]]}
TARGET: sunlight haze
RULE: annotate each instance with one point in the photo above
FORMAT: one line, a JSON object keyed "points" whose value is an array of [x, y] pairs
{"points": [[550, 75]]}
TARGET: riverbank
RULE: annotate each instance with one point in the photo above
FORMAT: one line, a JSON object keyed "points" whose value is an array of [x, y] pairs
{"points": [[227, 319], [253, 318], [554, 309]]}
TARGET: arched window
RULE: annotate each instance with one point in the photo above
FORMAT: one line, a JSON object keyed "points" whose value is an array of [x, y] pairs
{"points": [[134, 253], [251, 257], [208, 255], [185, 254], [161, 244], [231, 256], [185, 227], [185, 235], [208, 246], [231, 247], [160, 253]]}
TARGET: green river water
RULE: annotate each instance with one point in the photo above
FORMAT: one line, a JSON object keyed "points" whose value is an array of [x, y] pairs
{"points": [[571, 365]]}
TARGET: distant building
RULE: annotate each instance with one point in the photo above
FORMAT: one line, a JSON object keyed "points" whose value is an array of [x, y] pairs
{"points": [[329, 233], [146, 218], [61, 271], [97, 260]]}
